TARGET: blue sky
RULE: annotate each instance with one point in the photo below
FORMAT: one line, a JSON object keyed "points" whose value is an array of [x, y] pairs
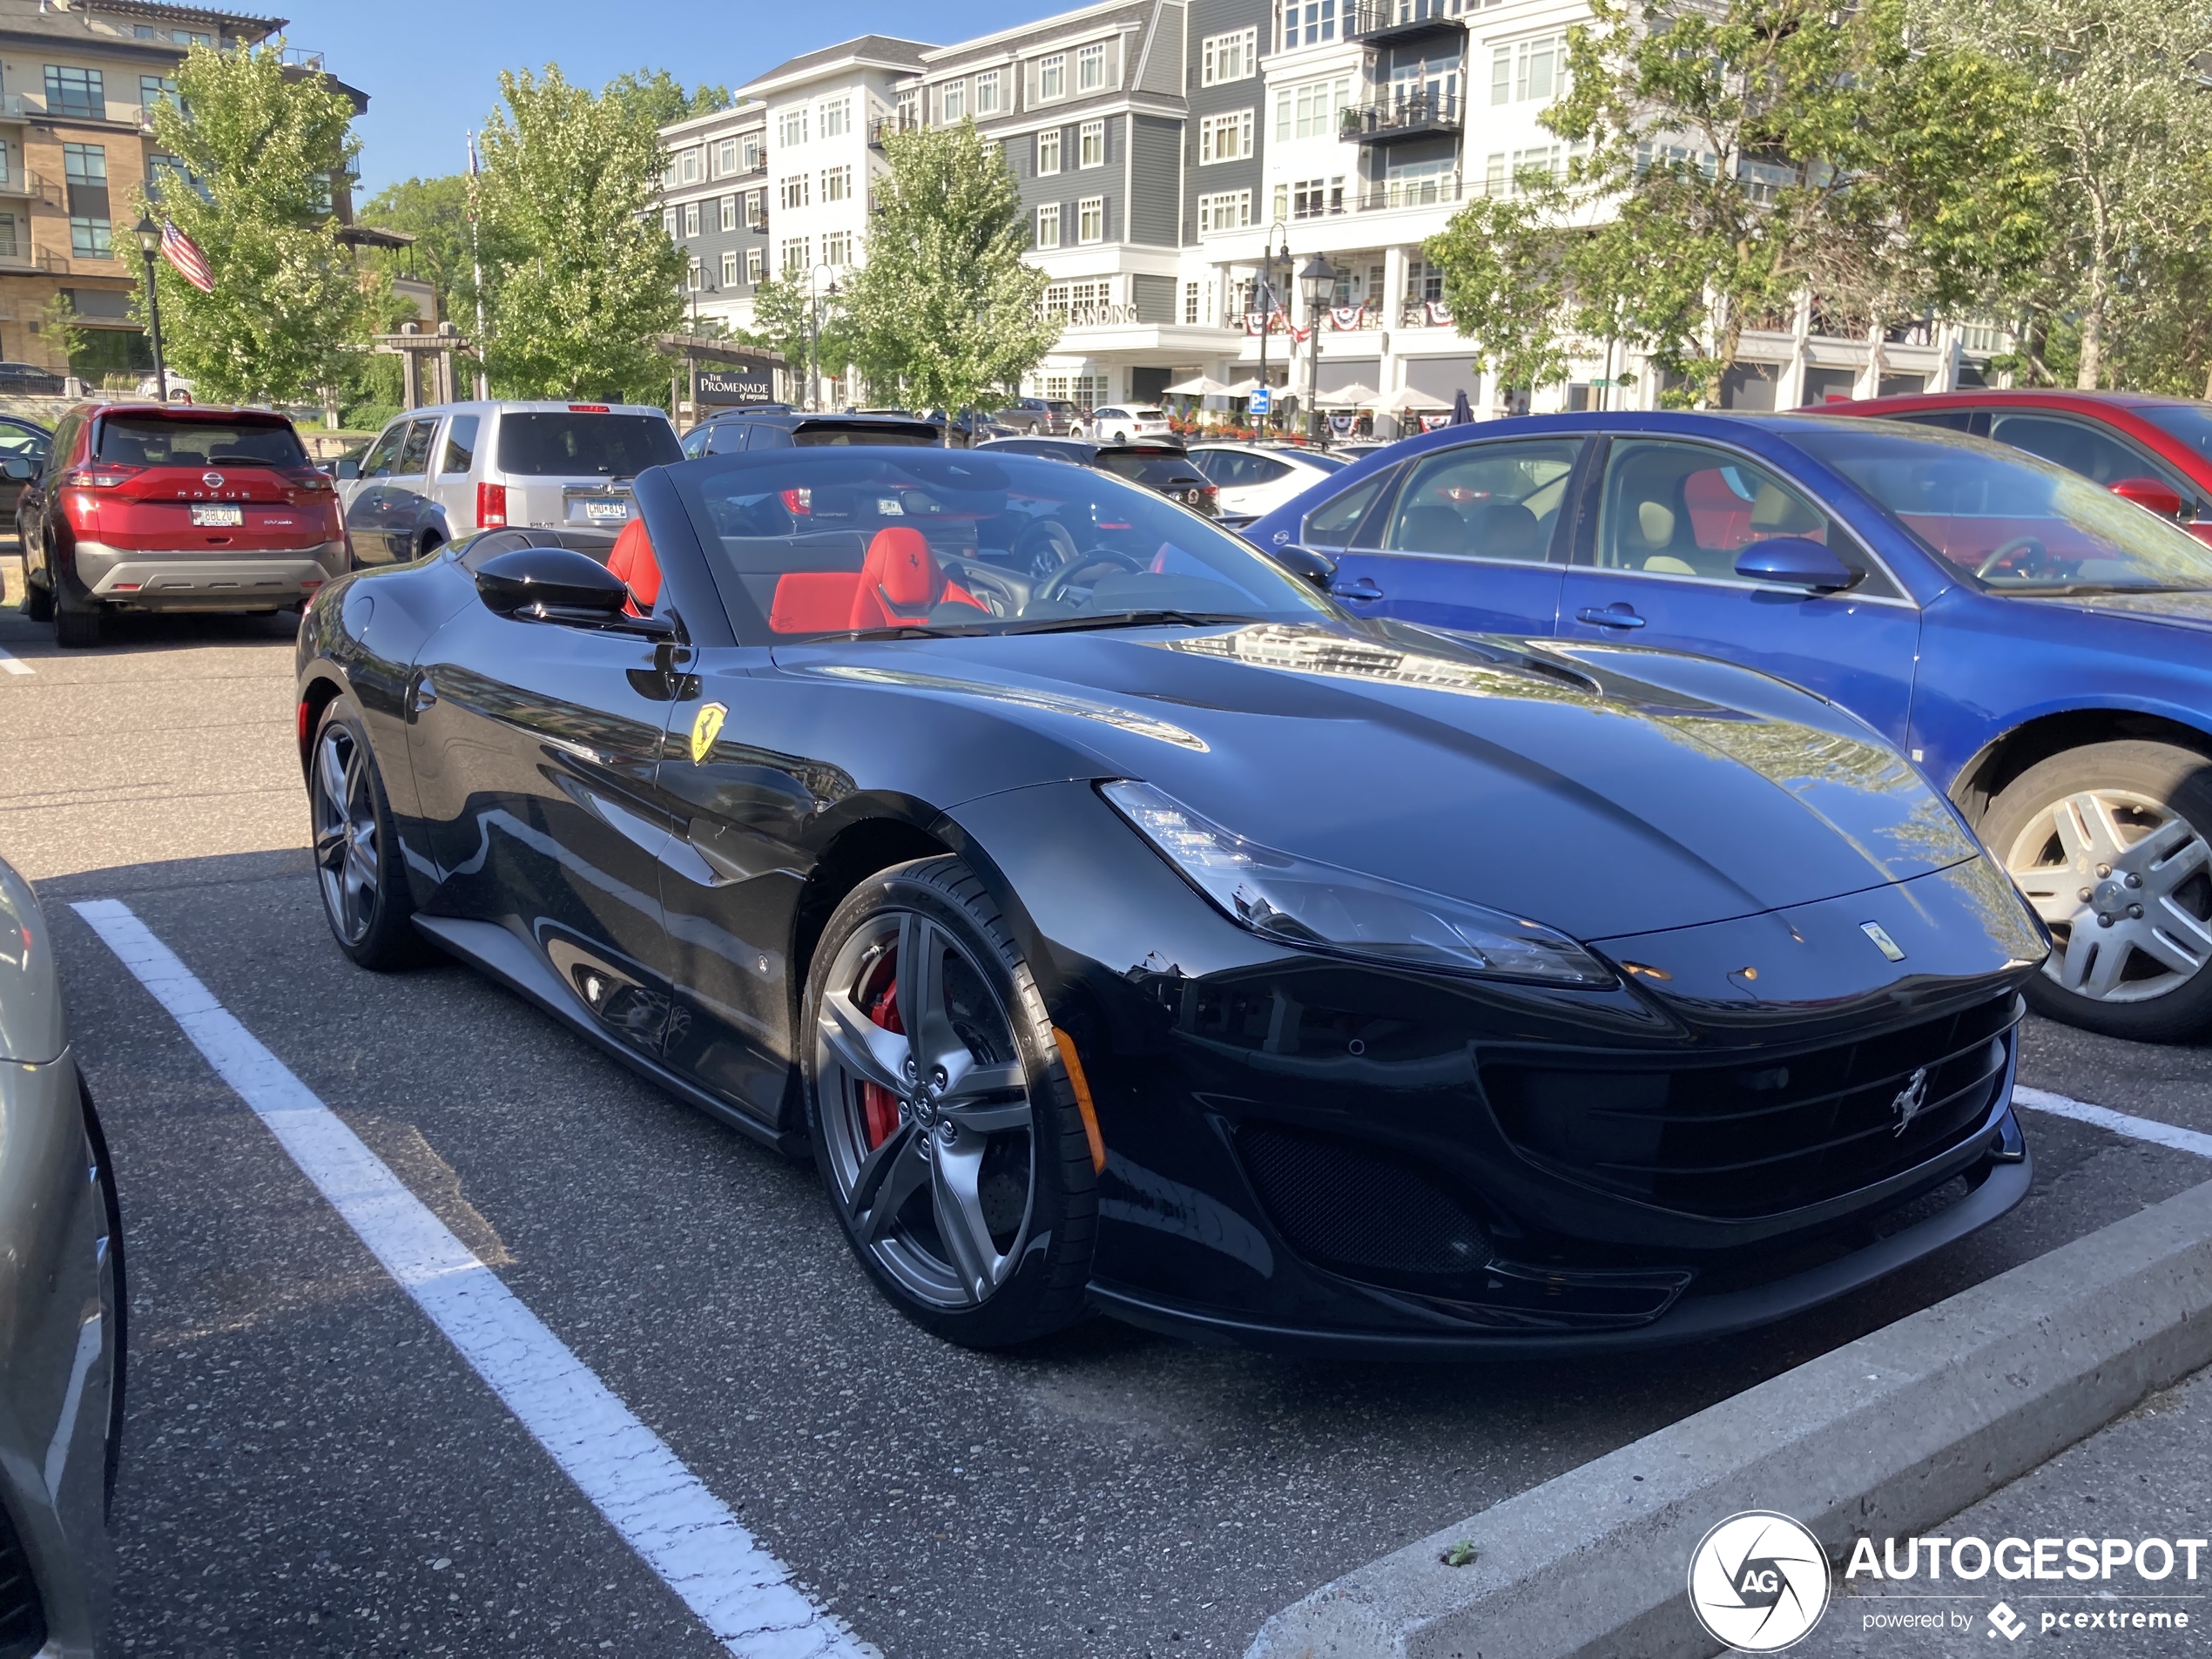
{"points": [[431, 69]]}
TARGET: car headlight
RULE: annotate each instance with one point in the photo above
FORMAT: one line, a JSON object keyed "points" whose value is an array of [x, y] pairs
{"points": [[1319, 906]]}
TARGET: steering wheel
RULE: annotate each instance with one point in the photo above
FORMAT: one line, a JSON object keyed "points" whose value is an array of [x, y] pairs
{"points": [[1104, 560], [1044, 547], [2003, 555]]}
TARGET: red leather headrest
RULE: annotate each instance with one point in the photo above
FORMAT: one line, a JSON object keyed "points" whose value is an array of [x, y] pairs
{"points": [[900, 562], [633, 560]]}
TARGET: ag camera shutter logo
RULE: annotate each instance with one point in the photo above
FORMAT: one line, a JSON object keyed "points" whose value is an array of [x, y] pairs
{"points": [[1759, 1581]]}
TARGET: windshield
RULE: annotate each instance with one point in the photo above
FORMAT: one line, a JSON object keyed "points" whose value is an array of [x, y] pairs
{"points": [[565, 443], [807, 544], [1322, 458], [1145, 466], [2190, 422], [166, 441], [2006, 520]]}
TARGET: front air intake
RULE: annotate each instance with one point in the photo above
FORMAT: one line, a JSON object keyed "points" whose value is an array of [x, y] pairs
{"points": [[1360, 1211]]}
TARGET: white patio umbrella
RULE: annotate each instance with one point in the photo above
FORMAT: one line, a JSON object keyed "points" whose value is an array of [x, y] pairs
{"points": [[1354, 396], [1199, 386], [1420, 402]]}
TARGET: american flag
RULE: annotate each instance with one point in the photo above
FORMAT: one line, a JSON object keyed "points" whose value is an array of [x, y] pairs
{"points": [[184, 253]]}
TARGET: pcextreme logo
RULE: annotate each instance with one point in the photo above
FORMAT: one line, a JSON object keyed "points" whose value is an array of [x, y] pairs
{"points": [[1759, 1581]]}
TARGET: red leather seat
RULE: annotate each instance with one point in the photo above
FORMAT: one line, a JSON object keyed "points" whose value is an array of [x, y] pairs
{"points": [[812, 601], [898, 582], [634, 561]]}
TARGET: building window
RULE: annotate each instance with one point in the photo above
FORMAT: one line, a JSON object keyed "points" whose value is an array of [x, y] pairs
{"points": [[156, 89], [1048, 153], [694, 277], [1227, 210], [1191, 302], [790, 127], [76, 91], [1308, 23], [1544, 158], [837, 118], [729, 213], [1090, 219], [1232, 57], [88, 238], [794, 190], [668, 222], [7, 170], [794, 257], [1091, 68], [752, 264], [837, 248], [1493, 176], [1531, 69], [1048, 225], [730, 269], [690, 219], [1225, 137], [837, 184], [753, 143], [953, 100], [986, 92], [687, 167], [756, 209], [1424, 280], [1310, 111], [1316, 198], [9, 246], [1090, 144], [725, 157], [1052, 75]]}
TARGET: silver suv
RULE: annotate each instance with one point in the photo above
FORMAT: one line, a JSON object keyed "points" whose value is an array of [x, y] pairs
{"points": [[437, 474]]}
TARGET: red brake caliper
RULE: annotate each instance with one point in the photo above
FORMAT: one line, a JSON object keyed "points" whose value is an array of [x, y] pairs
{"points": [[878, 1105]]}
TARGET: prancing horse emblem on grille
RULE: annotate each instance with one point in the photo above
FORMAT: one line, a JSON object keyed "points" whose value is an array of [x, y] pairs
{"points": [[1911, 1100]]}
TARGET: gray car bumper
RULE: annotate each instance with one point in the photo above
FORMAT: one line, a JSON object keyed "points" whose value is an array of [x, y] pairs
{"points": [[57, 1350], [206, 578]]}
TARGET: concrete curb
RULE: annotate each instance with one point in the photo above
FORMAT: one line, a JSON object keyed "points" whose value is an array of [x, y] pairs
{"points": [[1887, 1435]]}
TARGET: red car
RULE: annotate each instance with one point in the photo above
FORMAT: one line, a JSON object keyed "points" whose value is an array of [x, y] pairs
{"points": [[2156, 451], [146, 507]]}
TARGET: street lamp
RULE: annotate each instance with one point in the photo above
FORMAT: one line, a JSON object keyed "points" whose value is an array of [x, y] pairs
{"points": [[149, 236], [1318, 282], [814, 331], [1266, 301]]}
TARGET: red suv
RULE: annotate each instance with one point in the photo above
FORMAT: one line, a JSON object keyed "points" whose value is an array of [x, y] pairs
{"points": [[141, 507], [2156, 451]]}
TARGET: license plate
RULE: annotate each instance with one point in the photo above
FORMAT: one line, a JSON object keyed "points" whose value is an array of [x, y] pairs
{"points": [[218, 515], [600, 509]]}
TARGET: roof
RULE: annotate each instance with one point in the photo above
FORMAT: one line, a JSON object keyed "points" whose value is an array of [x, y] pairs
{"points": [[885, 50], [72, 20]]}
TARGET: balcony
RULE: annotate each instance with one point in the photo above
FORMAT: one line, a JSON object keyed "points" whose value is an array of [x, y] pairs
{"points": [[884, 125], [1430, 190], [15, 107], [1420, 116], [1378, 23]]}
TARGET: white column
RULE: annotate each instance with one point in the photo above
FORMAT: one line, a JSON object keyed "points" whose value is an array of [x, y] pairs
{"points": [[1790, 388]]}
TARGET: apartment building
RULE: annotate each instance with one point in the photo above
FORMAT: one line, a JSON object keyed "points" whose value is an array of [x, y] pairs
{"points": [[78, 83], [1165, 149]]}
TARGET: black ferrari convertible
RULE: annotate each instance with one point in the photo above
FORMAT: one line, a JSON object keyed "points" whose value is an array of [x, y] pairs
{"points": [[1119, 924]]}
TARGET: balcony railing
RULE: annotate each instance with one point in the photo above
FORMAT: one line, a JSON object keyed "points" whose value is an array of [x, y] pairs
{"points": [[1380, 20], [14, 106], [1406, 117], [1429, 191], [884, 126]]}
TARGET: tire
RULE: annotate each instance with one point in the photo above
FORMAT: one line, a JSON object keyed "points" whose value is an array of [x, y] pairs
{"points": [[431, 542], [908, 1159], [2111, 844], [80, 621], [119, 1310], [38, 602], [363, 885]]}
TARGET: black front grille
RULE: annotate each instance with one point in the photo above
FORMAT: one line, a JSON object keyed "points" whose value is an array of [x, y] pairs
{"points": [[1345, 1206], [22, 1617], [1774, 1135]]}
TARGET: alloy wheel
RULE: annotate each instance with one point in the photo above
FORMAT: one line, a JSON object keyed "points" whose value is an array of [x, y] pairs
{"points": [[2125, 885], [347, 855], [925, 1111]]}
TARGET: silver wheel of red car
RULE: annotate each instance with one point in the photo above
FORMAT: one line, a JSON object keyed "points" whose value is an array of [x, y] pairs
{"points": [[2109, 844], [952, 1180]]}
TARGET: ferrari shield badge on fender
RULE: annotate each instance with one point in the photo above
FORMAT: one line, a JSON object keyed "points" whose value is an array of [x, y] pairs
{"points": [[706, 725]]}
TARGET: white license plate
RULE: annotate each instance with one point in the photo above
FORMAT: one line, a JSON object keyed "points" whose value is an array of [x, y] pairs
{"points": [[218, 515], [606, 509]]}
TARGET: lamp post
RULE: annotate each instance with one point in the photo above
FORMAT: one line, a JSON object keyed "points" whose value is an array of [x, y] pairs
{"points": [[1266, 301], [1318, 282], [150, 244], [814, 331]]}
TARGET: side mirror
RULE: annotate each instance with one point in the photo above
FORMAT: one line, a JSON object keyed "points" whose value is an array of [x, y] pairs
{"points": [[18, 469], [346, 469], [1305, 563], [550, 579], [1796, 561], [2159, 497]]}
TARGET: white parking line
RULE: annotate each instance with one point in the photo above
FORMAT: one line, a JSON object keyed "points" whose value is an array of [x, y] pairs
{"points": [[2139, 1128], [741, 1592], [13, 664]]}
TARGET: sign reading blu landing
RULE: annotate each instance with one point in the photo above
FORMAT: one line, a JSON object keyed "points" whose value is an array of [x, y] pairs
{"points": [[728, 383]]}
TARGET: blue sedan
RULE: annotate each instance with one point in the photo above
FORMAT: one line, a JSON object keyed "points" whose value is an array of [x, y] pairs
{"points": [[2042, 648]]}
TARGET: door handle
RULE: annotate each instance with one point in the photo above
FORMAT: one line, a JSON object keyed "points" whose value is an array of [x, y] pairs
{"points": [[1619, 614], [1364, 590], [421, 696]]}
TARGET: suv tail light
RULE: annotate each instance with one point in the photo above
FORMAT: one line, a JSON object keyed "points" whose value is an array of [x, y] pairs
{"points": [[491, 506], [104, 475], [798, 503]]}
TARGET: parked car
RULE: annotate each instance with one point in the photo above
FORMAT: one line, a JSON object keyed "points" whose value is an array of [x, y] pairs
{"points": [[28, 379], [1156, 466], [29, 439], [782, 429], [439, 473], [1043, 417], [2037, 646], [138, 506], [181, 388], [1146, 933], [1256, 478], [972, 428], [1121, 423], [63, 1337], [2155, 451]]}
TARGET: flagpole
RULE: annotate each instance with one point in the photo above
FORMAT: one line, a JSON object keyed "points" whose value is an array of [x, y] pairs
{"points": [[477, 272]]}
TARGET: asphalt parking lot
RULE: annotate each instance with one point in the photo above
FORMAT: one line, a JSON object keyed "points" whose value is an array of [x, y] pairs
{"points": [[310, 1467]]}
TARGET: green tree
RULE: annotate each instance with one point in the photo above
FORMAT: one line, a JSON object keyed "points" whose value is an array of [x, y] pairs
{"points": [[260, 147], [781, 307], [657, 99], [580, 275], [946, 304], [434, 211]]}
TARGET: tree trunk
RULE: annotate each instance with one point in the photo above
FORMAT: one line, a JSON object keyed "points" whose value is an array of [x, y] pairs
{"points": [[2092, 340]]}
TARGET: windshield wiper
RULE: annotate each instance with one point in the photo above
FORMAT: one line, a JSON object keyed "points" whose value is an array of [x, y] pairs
{"points": [[1124, 619], [915, 631]]}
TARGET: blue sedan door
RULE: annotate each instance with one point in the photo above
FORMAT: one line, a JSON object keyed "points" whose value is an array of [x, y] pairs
{"points": [[1475, 539], [1657, 567]]}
